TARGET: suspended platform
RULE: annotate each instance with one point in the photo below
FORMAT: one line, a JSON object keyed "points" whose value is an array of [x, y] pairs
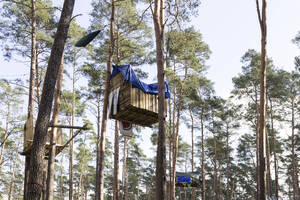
{"points": [[132, 105], [187, 179]]}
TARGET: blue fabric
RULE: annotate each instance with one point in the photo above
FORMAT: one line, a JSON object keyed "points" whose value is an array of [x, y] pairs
{"points": [[130, 76], [183, 179]]}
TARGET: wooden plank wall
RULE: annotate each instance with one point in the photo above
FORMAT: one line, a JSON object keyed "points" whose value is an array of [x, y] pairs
{"points": [[135, 105]]}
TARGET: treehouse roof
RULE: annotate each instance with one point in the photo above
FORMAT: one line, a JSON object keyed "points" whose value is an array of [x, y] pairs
{"points": [[130, 76]]}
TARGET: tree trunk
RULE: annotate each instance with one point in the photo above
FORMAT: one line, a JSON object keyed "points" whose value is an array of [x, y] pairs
{"points": [[12, 177], [172, 178], [175, 142], [170, 148], [202, 156], [100, 172], [116, 145], [61, 192], [160, 179], [44, 180], [262, 116], [221, 184], [116, 163], [31, 89], [294, 176], [228, 163], [98, 141], [40, 136], [274, 151], [257, 144], [53, 136], [71, 150], [192, 119], [215, 171], [82, 173], [5, 136], [125, 187], [268, 175], [37, 79]]}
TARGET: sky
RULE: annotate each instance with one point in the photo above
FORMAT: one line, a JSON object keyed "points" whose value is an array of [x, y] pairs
{"points": [[229, 28]]}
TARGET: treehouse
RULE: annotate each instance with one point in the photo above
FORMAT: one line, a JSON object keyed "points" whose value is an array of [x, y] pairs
{"points": [[28, 139], [187, 179], [131, 100]]}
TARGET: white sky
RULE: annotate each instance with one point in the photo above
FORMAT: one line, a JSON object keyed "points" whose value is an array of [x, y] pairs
{"points": [[230, 28]]}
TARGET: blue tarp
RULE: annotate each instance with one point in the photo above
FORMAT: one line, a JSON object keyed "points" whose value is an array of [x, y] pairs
{"points": [[183, 179], [130, 76]]}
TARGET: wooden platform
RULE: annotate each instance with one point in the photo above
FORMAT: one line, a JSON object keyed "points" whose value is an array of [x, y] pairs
{"points": [[192, 184], [28, 148], [135, 106]]}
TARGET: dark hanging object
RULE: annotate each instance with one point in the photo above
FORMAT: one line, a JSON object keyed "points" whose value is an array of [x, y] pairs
{"points": [[187, 179], [85, 40]]}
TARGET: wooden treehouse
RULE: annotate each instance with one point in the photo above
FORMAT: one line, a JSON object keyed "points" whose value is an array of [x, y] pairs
{"points": [[28, 139], [187, 179], [128, 102], [59, 145]]}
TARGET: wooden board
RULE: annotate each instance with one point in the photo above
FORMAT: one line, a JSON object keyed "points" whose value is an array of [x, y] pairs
{"points": [[28, 148], [135, 106]]}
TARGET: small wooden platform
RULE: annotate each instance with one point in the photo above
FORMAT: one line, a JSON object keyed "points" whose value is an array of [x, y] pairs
{"points": [[28, 148], [192, 184]]}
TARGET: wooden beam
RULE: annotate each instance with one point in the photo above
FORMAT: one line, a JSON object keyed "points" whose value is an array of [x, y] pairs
{"points": [[67, 126], [75, 134]]}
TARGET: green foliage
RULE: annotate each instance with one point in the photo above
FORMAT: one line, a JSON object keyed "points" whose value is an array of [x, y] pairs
{"points": [[15, 27], [66, 103]]}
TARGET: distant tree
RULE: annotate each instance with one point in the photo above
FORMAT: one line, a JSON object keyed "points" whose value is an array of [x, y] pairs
{"points": [[261, 14], [10, 100]]}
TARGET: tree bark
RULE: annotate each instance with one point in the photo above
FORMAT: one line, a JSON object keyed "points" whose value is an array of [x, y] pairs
{"points": [[37, 79], [31, 89], [203, 190], [53, 136], [274, 151], [172, 178], [160, 179], [228, 163], [176, 137], [170, 149], [294, 176], [215, 171], [100, 172], [268, 175], [125, 186], [40, 136], [98, 143], [262, 116], [116, 163], [12, 178], [116, 145], [192, 119], [71, 150]]}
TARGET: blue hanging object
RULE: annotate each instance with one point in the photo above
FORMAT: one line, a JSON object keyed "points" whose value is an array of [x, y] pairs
{"points": [[129, 75], [183, 179]]}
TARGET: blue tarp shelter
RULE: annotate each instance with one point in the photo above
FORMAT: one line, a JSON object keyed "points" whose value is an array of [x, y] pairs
{"points": [[129, 75], [183, 179]]}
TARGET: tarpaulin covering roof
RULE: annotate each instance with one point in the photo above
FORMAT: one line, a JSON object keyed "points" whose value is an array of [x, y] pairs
{"points": [[183, 179], [129, 75]]}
